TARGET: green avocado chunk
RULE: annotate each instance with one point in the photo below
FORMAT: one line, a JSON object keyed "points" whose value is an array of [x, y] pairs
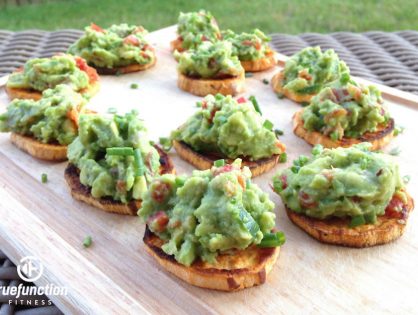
{"points": [[116, 46], [344, 182], [248, 46], [107, 152], [51, 119], [231, 129], [345, 109], [209, 60], [44, 73], [207, 213], [310, 69], [194, 28]]}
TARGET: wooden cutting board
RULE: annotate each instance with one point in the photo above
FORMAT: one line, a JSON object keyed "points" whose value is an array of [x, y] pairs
{"points": [[116, 276]]}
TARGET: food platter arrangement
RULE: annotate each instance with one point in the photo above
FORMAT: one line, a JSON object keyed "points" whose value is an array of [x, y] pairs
{"points": [[226, 159]]}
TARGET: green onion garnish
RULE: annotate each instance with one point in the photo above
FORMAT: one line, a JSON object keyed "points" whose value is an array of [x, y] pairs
{"points": [[334, 135], [138, 163], [166, 143], [317, 149], [398, 130], [268, 125], [283, 157], [255, 104], [273, 240], [248, 74], [134, 86], [278, 132], [44, 178], [180, 181], [122, 151], [357, 220], [247, 183], [219, 163], [265, 81], [87, 241]]}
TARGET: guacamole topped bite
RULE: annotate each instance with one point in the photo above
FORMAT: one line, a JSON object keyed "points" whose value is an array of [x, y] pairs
{"points": [[345, 109], [229, 128], [193, 28], [116, 46], [248, 46], [353, 183], [309, 70], [43, 73], [114, 156], [210, 60], [52, 119], [209, 213]]}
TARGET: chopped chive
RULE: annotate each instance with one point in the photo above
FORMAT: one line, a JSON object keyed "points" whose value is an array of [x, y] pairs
{"points": [[112, 110], [345, 77], [255, 104], [406, 179], [395, 151], [87, 241], [283, 157], [134, 86], [398, 130], [265, 81], [247, 183], [122, 151], [166, 143], [248, 74], [278, 132], [357, 220], [44, 178], [268, 125], [180, 181], [280, 96], [138, 163], [219, 163], [334, 135], [317, 149], [273, 240]]}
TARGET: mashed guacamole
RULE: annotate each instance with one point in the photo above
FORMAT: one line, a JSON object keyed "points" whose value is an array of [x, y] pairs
{"points": [[209, 60], [343, 182], [345, 109], [197, 27], [116, 46], [51, 119], [231, 129], [114, 156], [309, 70], [248, 46], [211, 211], [44, 73]]}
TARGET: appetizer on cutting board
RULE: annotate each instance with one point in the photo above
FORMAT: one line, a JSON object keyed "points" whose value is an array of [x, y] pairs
{"points": [[345, 113], [40, 74], [226, 128], [252, 50], [346, 196], [45, 127], [193, 28], [118, 49], [307, 72], [213, 229], [112, 161], [211, 68]]}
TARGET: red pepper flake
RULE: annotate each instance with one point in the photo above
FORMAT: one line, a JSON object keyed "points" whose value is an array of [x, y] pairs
{"points": [[158, 221], [96, 28]]}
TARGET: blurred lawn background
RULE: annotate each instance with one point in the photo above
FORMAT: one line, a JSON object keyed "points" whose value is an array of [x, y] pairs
{"points": [[284, 16]]}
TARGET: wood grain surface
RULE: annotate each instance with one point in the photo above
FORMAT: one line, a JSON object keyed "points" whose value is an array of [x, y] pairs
{"points": [[116, 276]]}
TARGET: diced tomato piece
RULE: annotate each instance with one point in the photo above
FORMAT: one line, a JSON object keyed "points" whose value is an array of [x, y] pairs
{"points": [[83, 66], [241, 100], [306, 200], [247, 42], [121, 185], [131, 40], [96, 28], [81, 63], [283, 178], [257, 45], [241, 181], [160, 191], [304, 74], [396, 208], [158, 221], [223, 169], [204, 104], [73, 116], [145, 55], [212, 115], [281, 146], [204, 38]]}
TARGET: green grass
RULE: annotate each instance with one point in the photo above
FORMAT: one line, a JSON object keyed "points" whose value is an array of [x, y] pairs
{"points": [[284, 16]]}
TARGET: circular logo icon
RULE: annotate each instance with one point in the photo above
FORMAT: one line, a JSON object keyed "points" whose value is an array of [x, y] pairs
{"points": [[30, 269]]}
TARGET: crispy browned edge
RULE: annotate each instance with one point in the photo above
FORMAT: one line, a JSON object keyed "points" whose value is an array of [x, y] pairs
{"points": [[203, 87], [83, 193], [378, 139], [204, 162], [209, 276], [39, 150], [277, 84], [13, 93], [268, 62], [337, 232], [126, 69]]}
